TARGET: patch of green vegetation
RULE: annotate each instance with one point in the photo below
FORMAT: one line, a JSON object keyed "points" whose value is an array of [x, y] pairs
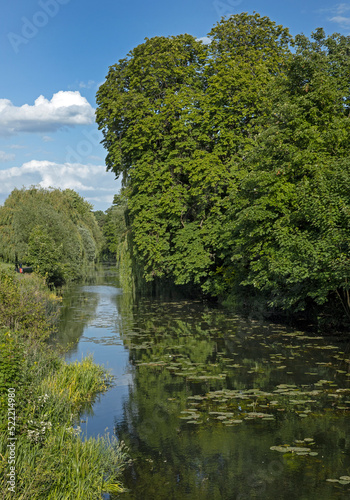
{"points": [[53, 460], [4, 266], [66, 466], [235, 165], [53, 231]]}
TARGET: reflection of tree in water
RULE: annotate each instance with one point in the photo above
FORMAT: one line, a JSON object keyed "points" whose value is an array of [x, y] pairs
{"points": [[173, 459], [185, 350], [208, 460], [78, 308]]}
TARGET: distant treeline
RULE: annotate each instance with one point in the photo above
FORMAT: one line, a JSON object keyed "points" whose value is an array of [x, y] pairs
{"points": [[235, 163], [51, 230]]}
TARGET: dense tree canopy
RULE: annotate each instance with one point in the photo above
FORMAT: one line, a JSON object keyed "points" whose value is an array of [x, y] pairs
{"points": [[52, 230], [290, 217], [166, 115], [234, 160]]}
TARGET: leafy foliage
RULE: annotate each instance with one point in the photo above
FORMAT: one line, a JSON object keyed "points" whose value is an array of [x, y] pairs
{"points": [[235, 162], [174, 114], [52, 458], [52, 230], [291, 214], [26, 305]]}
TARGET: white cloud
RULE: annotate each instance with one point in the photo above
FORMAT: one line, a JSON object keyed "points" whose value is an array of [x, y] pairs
{"points": [[204, 39], [87, 85], [90, 181], [6, 157], [106, 199], [47, 138], [344, 22], [66, 108], [338, 10]]}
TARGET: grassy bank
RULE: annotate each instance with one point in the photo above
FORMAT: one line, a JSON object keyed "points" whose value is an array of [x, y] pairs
{"points": [[51, 458], [4, 266]]}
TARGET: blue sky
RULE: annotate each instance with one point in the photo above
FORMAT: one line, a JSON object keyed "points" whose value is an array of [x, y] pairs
{"points": [[56, 53]]}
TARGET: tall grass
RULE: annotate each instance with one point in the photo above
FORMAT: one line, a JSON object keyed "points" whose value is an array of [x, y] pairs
{"points": [[79, 382], [66, 467]]}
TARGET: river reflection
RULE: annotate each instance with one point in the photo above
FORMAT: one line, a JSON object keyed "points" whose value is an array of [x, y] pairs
{"points": [[213, 406]]}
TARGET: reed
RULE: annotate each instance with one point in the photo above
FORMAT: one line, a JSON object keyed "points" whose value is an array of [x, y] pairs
{"points": [[79, 382], [67, 466]]}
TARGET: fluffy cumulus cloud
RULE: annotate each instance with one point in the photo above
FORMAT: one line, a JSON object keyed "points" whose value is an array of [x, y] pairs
{"points": [[90, 181], [66, 108]]}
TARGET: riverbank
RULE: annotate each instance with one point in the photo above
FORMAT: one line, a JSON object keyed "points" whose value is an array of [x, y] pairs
{"points": [[43, 454]]}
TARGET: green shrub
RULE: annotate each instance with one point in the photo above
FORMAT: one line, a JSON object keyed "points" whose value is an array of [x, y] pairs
{"points": [[26, 304]]}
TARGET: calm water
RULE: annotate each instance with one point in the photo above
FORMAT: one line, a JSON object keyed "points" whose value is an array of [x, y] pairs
{"points": [[212, 406]]}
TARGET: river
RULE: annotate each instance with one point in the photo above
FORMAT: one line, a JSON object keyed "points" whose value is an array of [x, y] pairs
{"points": [[211, 405]]}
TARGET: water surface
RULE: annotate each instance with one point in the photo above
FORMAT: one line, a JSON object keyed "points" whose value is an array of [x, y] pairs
{"points": [[213, 406]]}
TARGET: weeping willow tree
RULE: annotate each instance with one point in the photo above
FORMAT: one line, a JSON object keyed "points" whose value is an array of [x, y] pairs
{"points": [[54, 231]]}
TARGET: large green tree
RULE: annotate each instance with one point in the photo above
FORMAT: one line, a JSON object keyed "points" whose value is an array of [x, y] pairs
{"points": [[290, 218], [177, 117], [235, 160]]}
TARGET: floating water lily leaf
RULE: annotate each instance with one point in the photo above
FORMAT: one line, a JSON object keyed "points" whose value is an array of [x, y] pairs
{"points": [[290, 449], [281, 449]]}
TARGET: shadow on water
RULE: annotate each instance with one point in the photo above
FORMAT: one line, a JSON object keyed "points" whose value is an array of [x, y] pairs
{"points": [[213, 406]]}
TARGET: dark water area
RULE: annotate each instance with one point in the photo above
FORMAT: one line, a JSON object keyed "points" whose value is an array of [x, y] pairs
{"points": [[213, 406]]}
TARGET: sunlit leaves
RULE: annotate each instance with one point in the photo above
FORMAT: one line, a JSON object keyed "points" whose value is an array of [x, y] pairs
{"points": [[175, 114]]}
